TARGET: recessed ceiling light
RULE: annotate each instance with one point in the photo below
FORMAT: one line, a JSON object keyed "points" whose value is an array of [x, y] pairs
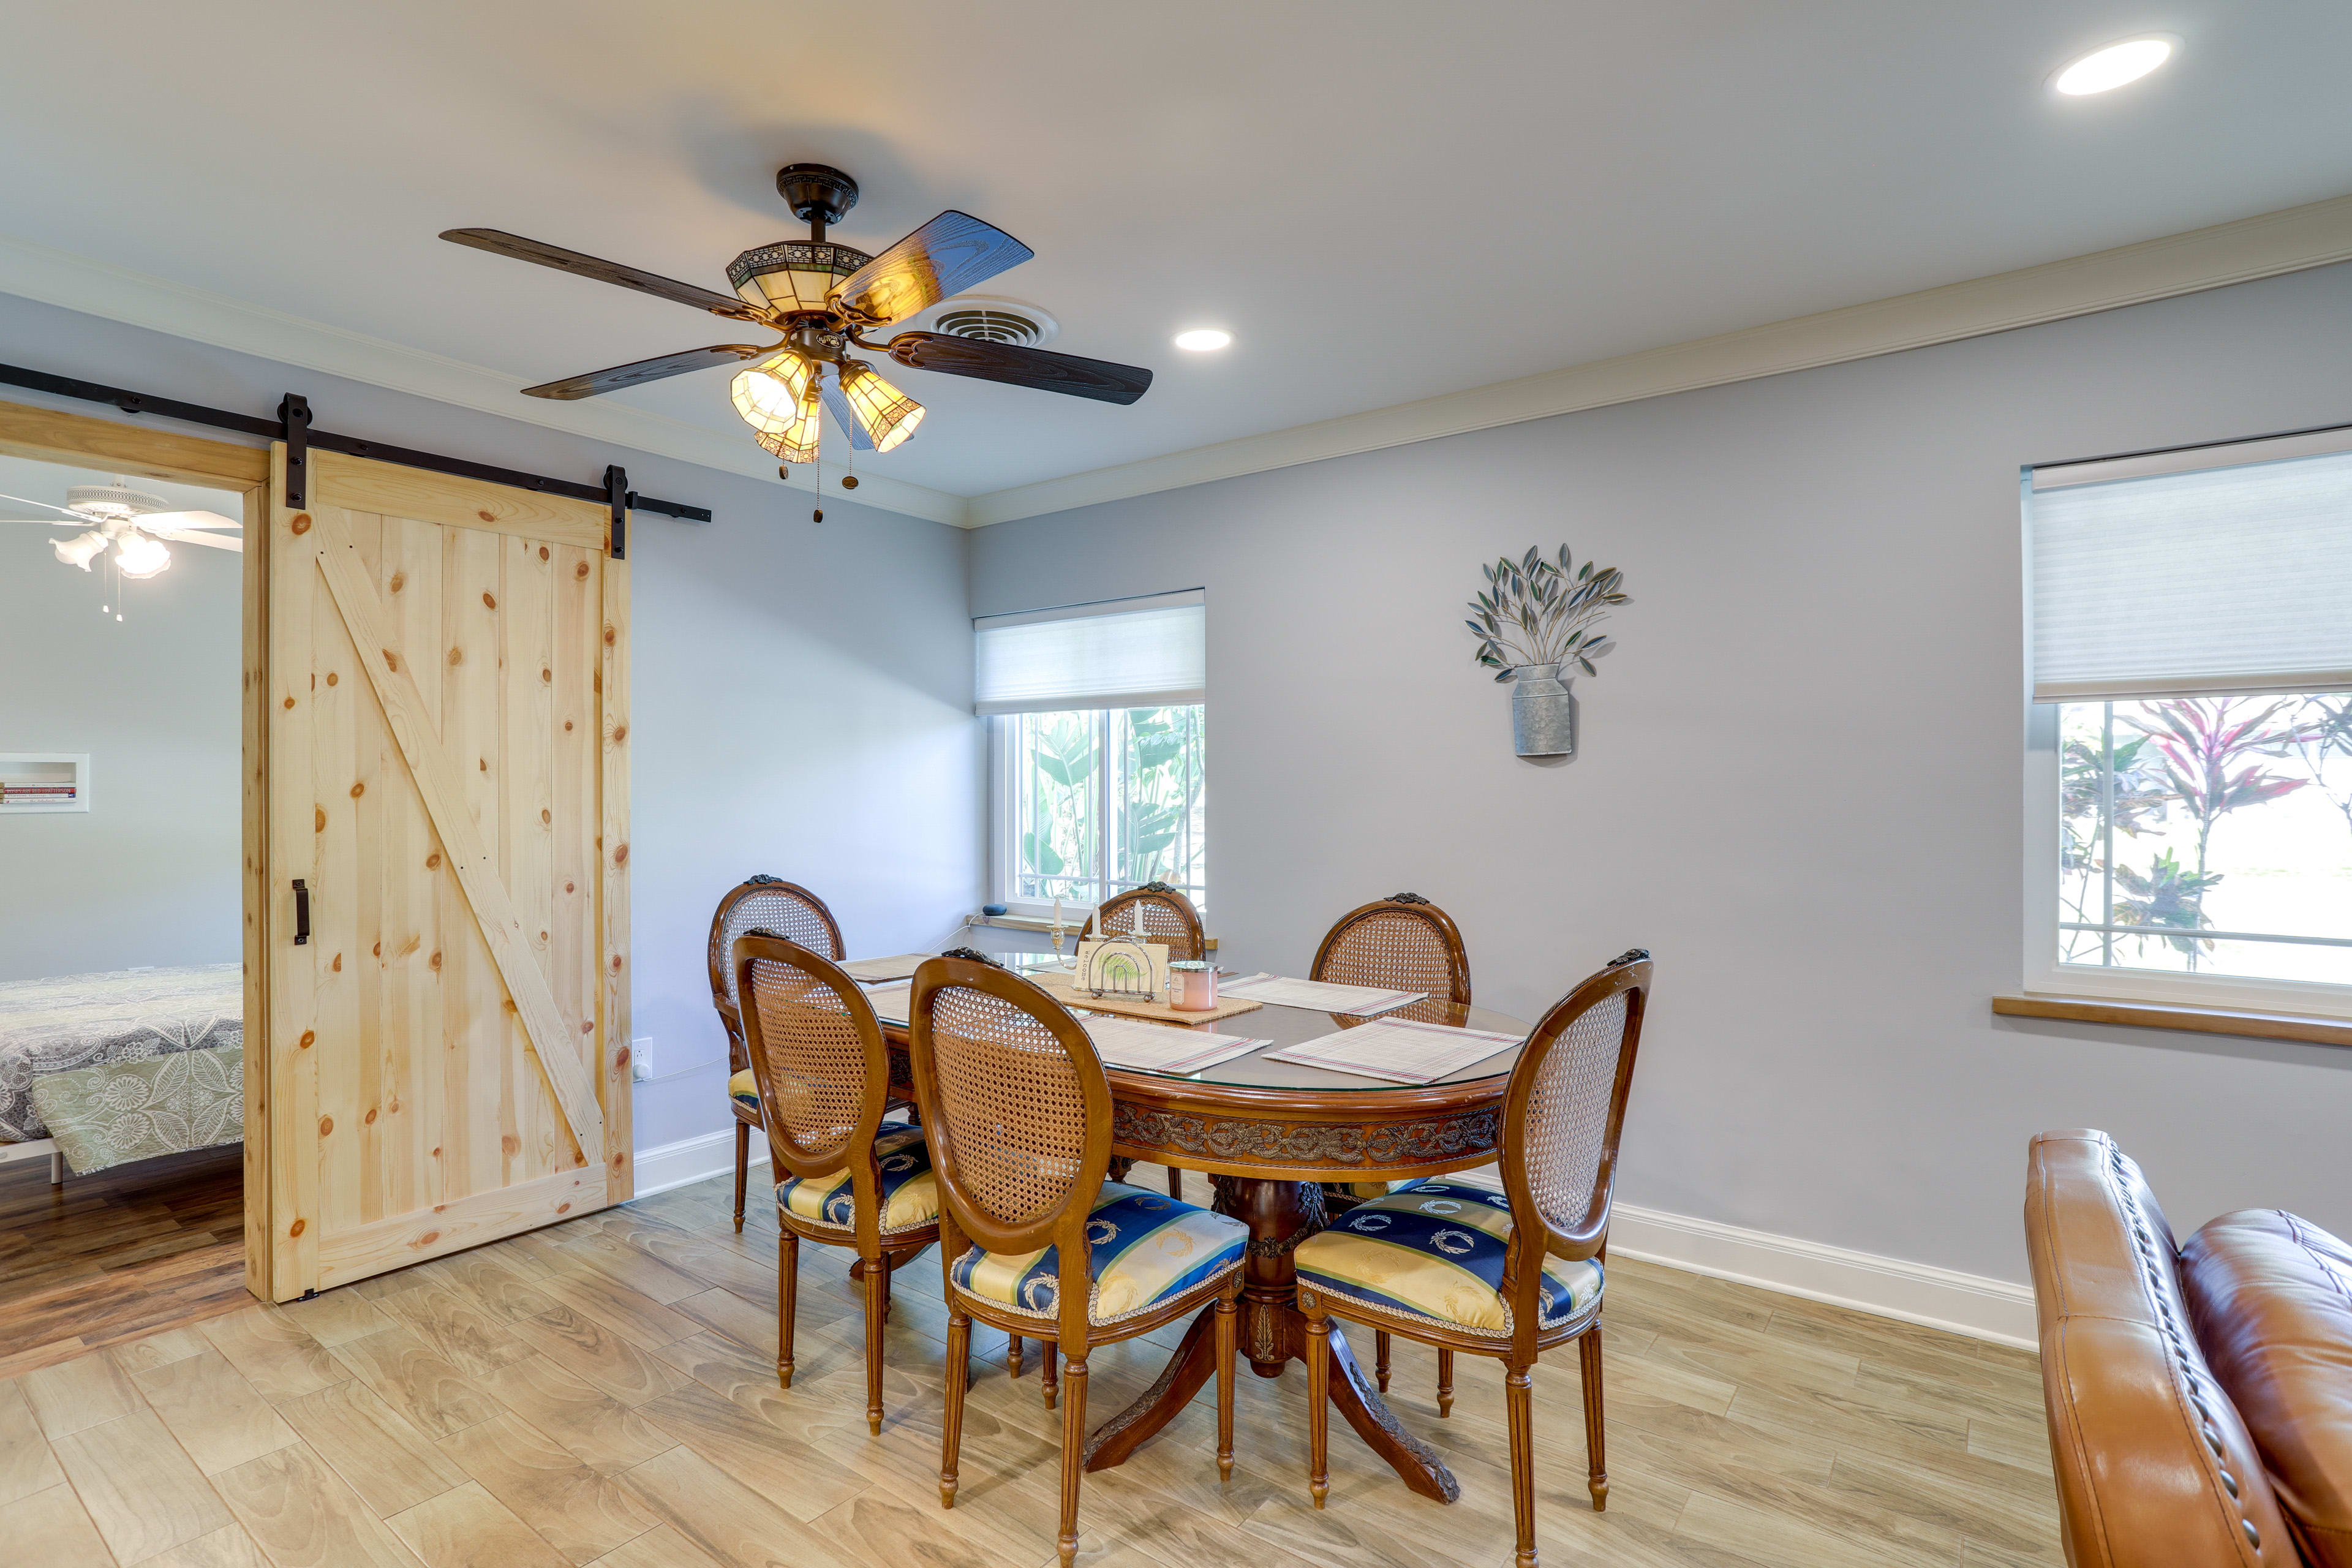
{"points": [[1201, 339], [2106, 68]]}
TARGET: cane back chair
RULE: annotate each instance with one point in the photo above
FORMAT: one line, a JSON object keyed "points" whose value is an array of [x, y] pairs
{"points": [[843, 1178], [1160, 913], [1033, 1240], [1402, 942], [1509, 1274], [760, 903]]}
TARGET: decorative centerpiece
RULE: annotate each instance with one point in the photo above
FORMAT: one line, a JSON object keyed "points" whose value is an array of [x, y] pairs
{"points": [[1536, 618]]}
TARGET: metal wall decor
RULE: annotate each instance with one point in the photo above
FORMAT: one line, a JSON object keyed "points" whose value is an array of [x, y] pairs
{"points": [[1536, 625]]}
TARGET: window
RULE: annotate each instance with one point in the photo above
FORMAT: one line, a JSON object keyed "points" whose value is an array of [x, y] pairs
{"points": [[2193, 740], [1097, 750]]}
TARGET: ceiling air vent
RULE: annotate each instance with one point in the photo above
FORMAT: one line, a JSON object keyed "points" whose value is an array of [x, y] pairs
{"points": [[996, 321]]}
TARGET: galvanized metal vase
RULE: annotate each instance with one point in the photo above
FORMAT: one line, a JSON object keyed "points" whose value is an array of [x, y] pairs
{"points": [[1543, 712]]}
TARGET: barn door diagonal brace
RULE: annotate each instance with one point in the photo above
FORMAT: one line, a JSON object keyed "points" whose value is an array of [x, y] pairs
{"points": [[293, 426]]}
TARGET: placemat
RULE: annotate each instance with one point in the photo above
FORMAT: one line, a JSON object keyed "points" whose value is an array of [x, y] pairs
{"points": [[1058, 982]]}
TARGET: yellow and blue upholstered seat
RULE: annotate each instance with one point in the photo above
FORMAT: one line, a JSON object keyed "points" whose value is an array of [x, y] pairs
{"points": [[1145, 1247], [1434, 1249], [909, 1192], [744, 1090]]}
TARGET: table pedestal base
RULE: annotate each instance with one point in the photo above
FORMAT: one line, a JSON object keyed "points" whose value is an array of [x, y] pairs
{"points": [[1273, 1333]]}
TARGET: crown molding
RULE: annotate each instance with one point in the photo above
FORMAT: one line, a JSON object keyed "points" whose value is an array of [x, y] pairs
{"points": [[119, 294], [2294, 240]]}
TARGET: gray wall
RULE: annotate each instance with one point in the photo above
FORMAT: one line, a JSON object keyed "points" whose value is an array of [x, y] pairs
{"points": [[149, 876], [1801, 773], [802, 691]]}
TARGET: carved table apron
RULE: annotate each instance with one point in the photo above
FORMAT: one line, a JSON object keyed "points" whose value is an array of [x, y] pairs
{"points": [[1268, 1151]]}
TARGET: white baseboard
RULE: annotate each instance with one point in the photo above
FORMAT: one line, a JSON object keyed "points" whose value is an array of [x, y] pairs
{"points": [[1971, 1304], [690, 1160]]}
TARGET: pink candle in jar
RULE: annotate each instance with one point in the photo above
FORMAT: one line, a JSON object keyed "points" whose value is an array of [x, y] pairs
{"points": [[1193, 986]]}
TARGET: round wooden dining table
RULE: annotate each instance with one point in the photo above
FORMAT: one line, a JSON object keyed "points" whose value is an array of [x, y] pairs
{"points": [[1268, 1134]]}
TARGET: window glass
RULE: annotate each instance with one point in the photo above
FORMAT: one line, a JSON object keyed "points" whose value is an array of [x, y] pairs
{"points": [[1102, 799], [2208, 835]]}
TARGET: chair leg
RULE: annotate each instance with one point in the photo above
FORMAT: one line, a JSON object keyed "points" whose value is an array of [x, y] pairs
{"points": [[1073, 1459], [742, 1166], [1013, 1354], [1228, 1326], [788, 1291], [959, 1375], [1318, 1406], [1051, 1355], [1175, 1182], [1518, 1400], [1596, 1457], [878, 1308], [1381, 1357], [1445, 1382]]}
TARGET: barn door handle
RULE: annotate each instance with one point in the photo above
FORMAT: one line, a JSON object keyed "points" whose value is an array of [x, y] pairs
{"points": [[301, 912]]}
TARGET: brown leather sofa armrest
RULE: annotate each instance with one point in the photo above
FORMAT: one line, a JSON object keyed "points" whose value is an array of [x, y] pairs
{"points": [[2154, 1467]]}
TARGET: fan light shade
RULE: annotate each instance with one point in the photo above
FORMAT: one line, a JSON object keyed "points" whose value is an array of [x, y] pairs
{"points": [[778, 398], [81, 549], [794, 274], [889, 415], [139, 556]]}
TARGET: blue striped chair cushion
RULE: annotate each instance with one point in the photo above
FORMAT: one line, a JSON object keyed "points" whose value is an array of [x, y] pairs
{"points": [[910, 1192], [1434, 1249], [743, 1090], [1145, 1247]]}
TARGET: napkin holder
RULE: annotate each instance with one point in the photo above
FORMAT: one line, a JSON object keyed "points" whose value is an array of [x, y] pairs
{"points": [[1122, 967]]}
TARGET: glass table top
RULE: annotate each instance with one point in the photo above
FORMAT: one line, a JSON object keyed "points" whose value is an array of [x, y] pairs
{"points": [[1285, 1026]]}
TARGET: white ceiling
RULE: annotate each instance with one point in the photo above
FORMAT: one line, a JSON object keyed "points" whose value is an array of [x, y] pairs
{"points": [[1382, 201]]}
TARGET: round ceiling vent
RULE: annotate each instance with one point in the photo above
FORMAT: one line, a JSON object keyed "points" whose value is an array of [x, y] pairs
{"points": [[996, 321]]}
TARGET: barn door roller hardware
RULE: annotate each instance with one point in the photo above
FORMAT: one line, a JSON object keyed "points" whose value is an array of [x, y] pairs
{"points": [[293, 426]]}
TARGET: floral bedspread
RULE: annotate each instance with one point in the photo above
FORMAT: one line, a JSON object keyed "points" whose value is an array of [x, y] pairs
{"points": [[71, 1021], [120, 1112]]}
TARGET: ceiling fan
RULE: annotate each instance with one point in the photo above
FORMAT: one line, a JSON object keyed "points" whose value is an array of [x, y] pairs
{"points": [[822, 297], [132, 521]]}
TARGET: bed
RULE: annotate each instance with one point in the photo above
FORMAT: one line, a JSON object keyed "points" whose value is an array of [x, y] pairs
{"points": [[101, 1070]]}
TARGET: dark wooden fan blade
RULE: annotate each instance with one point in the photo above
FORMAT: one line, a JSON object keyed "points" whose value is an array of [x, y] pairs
{"points": [[597, 382], [946, 256], [497, 242], [838, 406], [1096, 378]]}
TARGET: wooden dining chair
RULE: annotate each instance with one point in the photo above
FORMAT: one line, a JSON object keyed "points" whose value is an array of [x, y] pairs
{"points": [[1509, 1274], [1402, 942], [767, 904], [1033, 1239], [843, 1178], [1163, 914]]}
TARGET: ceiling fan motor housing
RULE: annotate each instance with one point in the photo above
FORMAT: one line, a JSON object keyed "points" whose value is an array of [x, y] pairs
{"points": [[818, 193]]}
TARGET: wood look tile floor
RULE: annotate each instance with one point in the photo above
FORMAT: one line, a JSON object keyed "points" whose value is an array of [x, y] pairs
{"points": [[117, 1255], [603, 1393]]}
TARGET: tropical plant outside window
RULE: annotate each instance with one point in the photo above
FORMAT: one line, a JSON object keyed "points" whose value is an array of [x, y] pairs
{"points": [[1102, 800], [2207, 836]]}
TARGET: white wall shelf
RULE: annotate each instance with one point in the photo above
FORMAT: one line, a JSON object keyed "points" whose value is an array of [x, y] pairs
{"points": [[44, 781]]}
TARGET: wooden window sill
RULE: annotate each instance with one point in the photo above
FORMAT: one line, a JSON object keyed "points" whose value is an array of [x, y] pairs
{"points": [[2319, 1031]]}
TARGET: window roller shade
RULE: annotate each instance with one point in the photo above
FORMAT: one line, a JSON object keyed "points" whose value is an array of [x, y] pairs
{"points": [[1133, 653], [2176, 584]]}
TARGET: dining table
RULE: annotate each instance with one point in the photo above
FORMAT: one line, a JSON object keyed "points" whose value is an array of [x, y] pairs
{"points": [[1269, 1134]]}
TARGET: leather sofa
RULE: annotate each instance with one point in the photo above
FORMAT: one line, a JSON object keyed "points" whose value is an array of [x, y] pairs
{"points": [[2199, 1394]]}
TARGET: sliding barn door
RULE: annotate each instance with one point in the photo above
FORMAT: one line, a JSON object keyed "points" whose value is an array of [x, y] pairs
{"points": [[447, 679]]}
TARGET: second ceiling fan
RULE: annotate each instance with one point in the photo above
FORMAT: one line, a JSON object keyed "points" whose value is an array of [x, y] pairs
{"points": [[823, 297]]}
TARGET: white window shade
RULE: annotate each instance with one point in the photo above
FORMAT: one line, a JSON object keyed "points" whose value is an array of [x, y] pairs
{"points": [[2222, 579], [1130, 653]]}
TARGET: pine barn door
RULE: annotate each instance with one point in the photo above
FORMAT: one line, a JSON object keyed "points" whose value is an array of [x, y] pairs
{"points": [[446, 674]]}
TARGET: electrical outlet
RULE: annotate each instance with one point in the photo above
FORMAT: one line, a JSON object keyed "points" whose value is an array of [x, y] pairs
{"points": [[641, 1058]]}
